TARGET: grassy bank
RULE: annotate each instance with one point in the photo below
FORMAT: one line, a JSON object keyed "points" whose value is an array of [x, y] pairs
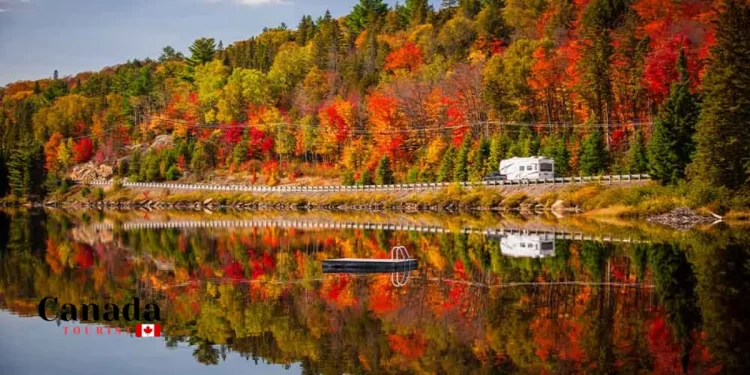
{"points": [[594, 199]]}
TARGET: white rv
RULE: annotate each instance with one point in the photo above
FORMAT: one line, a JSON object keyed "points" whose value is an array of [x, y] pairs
{"points": [[531, 168], [528, 245]]}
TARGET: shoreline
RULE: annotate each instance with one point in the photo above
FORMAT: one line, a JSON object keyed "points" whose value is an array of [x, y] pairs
{"points": [[638, 201]]}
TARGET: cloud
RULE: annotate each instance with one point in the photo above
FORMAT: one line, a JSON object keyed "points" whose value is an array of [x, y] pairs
{"points": [[252, 3], [8, 5]]}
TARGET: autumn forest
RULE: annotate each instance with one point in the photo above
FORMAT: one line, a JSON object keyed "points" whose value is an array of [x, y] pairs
{"points": [[409, 93]]}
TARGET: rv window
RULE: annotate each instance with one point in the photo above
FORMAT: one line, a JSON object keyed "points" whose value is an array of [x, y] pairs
{"points": [[548, 245], [546, 167], [531, 167], [523, 244], [521, 168]]}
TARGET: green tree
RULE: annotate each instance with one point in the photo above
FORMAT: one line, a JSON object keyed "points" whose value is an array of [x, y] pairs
{"points": [[417, 11], [26, 172], [723, 151], [365, 178], [470, 8], [203, 158], [461, 166], [172, 173], [594, 157], [384, 174], [556, 149], [366, 13], [672, 143], [662, 160], [168, 54], [498, 150], [202, 51], [347, 179], [134, 166], [456, 37], [637, 155], [479, 166], [445, 174]]}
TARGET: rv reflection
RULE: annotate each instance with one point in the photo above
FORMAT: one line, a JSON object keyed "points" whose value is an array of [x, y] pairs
{"points": [[528, 245]]}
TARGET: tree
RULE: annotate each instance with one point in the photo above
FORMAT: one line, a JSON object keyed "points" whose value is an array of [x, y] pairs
{"points": [[51, 151], [498, 149], [671, 145], [289, 68], [384, 174], [202, 51], [83, 150], [134, 166], [594, 158], [470, 8], [366, 13], [637, 155], [456, 37], [365, 178], [445, 174], [26, 169], [168, 54], [479, 166], [723, 150], [244, 87], [409, 57], [461, 167], [210, 79], [417, 10]]}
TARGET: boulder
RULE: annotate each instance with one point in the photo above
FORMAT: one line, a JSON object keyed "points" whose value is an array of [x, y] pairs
{"points": [[161, 141], [90, 171]]}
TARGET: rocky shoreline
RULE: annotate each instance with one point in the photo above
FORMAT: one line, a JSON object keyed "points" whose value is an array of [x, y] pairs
{"points": [[682, 218]]}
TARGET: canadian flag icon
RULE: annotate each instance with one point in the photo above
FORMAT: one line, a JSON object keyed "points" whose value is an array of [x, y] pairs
{"points": [[147, 330]]}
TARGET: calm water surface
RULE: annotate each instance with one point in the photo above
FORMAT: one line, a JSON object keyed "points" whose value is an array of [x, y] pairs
{"points": [[247, 294]]}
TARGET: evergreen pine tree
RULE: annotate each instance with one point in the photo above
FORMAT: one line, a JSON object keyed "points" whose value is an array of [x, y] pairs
{"points": [[637, 155], [479, 167], [26, 172], [365, 178], [384, 174], [594, 153], [662, 160], [135, 165], [562, 158], [672, 144], [723, 150], [446, 165], [498, 149], [417, 10], [461, 166]]}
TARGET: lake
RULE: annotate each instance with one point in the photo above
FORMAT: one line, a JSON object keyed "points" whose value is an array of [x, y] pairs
{"points": [[491, 294]]}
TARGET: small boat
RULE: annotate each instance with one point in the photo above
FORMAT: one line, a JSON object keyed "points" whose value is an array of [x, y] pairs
{"points": [[400, 261]]}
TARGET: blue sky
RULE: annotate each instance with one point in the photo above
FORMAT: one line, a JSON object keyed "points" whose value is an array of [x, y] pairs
{"points": [[39, 36]]}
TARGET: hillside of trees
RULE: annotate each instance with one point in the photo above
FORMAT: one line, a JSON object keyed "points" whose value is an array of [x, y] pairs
{"points": [[409, 94]]}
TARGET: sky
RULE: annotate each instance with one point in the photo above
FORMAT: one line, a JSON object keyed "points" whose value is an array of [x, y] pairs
{"points": [[72, 36]]}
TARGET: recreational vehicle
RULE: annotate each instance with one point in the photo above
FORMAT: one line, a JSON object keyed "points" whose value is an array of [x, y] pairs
{"points": [[528, 245], [531, 168]]}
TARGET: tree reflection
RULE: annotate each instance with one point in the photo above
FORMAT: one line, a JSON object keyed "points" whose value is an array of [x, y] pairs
{"points": [[260, 292]]}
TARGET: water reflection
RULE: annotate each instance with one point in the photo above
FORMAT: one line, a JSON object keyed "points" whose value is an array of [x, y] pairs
{"points": [[528, 245], [477, 303]]}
